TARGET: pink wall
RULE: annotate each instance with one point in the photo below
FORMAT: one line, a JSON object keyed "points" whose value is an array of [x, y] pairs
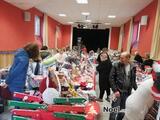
{"points": [[146, 32], [17, 32], [126, 35], [115, 31]]}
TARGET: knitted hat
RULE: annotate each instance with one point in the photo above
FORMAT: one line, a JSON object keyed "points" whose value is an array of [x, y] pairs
{"points": [[155, 90]]}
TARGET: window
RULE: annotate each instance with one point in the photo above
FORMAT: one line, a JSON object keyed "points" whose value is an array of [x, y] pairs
{"points": [[37, 25]]}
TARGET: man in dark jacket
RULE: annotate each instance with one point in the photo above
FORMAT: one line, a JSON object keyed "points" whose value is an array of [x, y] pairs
{"points": [[122, 80]]}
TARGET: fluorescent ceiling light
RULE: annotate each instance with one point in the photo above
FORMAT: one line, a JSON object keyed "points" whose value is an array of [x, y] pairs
{"points": [[107, 23], [85, 13], [82, 1], [88, 21], [70, 22], [111, 16], [62, 15]]}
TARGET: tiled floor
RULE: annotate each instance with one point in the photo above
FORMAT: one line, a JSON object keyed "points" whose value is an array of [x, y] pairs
{"points": [[103, 116]]}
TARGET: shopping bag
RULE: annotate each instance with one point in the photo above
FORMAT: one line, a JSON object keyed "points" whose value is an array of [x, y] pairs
{"points": [[49, 93]]}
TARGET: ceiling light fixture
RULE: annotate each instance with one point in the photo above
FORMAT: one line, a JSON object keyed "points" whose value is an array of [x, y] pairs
{"points": [[107, 23], [85, 13], [82, 1], [88, 21], [70, 22], [111, 16], [85, 27], [62, 15]]}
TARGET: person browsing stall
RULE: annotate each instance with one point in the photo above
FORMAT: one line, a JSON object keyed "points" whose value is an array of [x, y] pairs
{"points": [[15, 81], [122, 80]]}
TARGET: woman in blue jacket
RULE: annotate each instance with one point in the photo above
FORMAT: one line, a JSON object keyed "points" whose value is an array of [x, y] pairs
{"points": [[15, 81]]}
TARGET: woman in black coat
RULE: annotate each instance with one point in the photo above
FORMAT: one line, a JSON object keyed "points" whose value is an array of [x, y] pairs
{"points": [[104, 69]]}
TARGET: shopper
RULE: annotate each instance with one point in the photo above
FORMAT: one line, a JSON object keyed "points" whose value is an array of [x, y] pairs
{"points": [[44, 53], [147, 61], [104, 68], [138, 58], [138, 103], [36, 73], [61, 56], [15, 81], [122, 80], [98, 58]]}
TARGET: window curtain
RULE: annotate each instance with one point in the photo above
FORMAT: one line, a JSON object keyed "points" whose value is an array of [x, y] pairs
{"points": [[155, 49], [39, 38], [121, 38], [45, 30], [58, 37], [122, 35], [130, 35], [109, 42], [134, 43], [71, 40]]}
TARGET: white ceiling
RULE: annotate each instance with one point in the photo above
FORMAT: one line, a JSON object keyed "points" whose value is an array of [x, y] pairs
{"points": [[99, 9]]}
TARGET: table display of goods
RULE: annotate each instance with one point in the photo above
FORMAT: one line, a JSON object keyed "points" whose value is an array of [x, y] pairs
{"points": [[63, 108]]}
